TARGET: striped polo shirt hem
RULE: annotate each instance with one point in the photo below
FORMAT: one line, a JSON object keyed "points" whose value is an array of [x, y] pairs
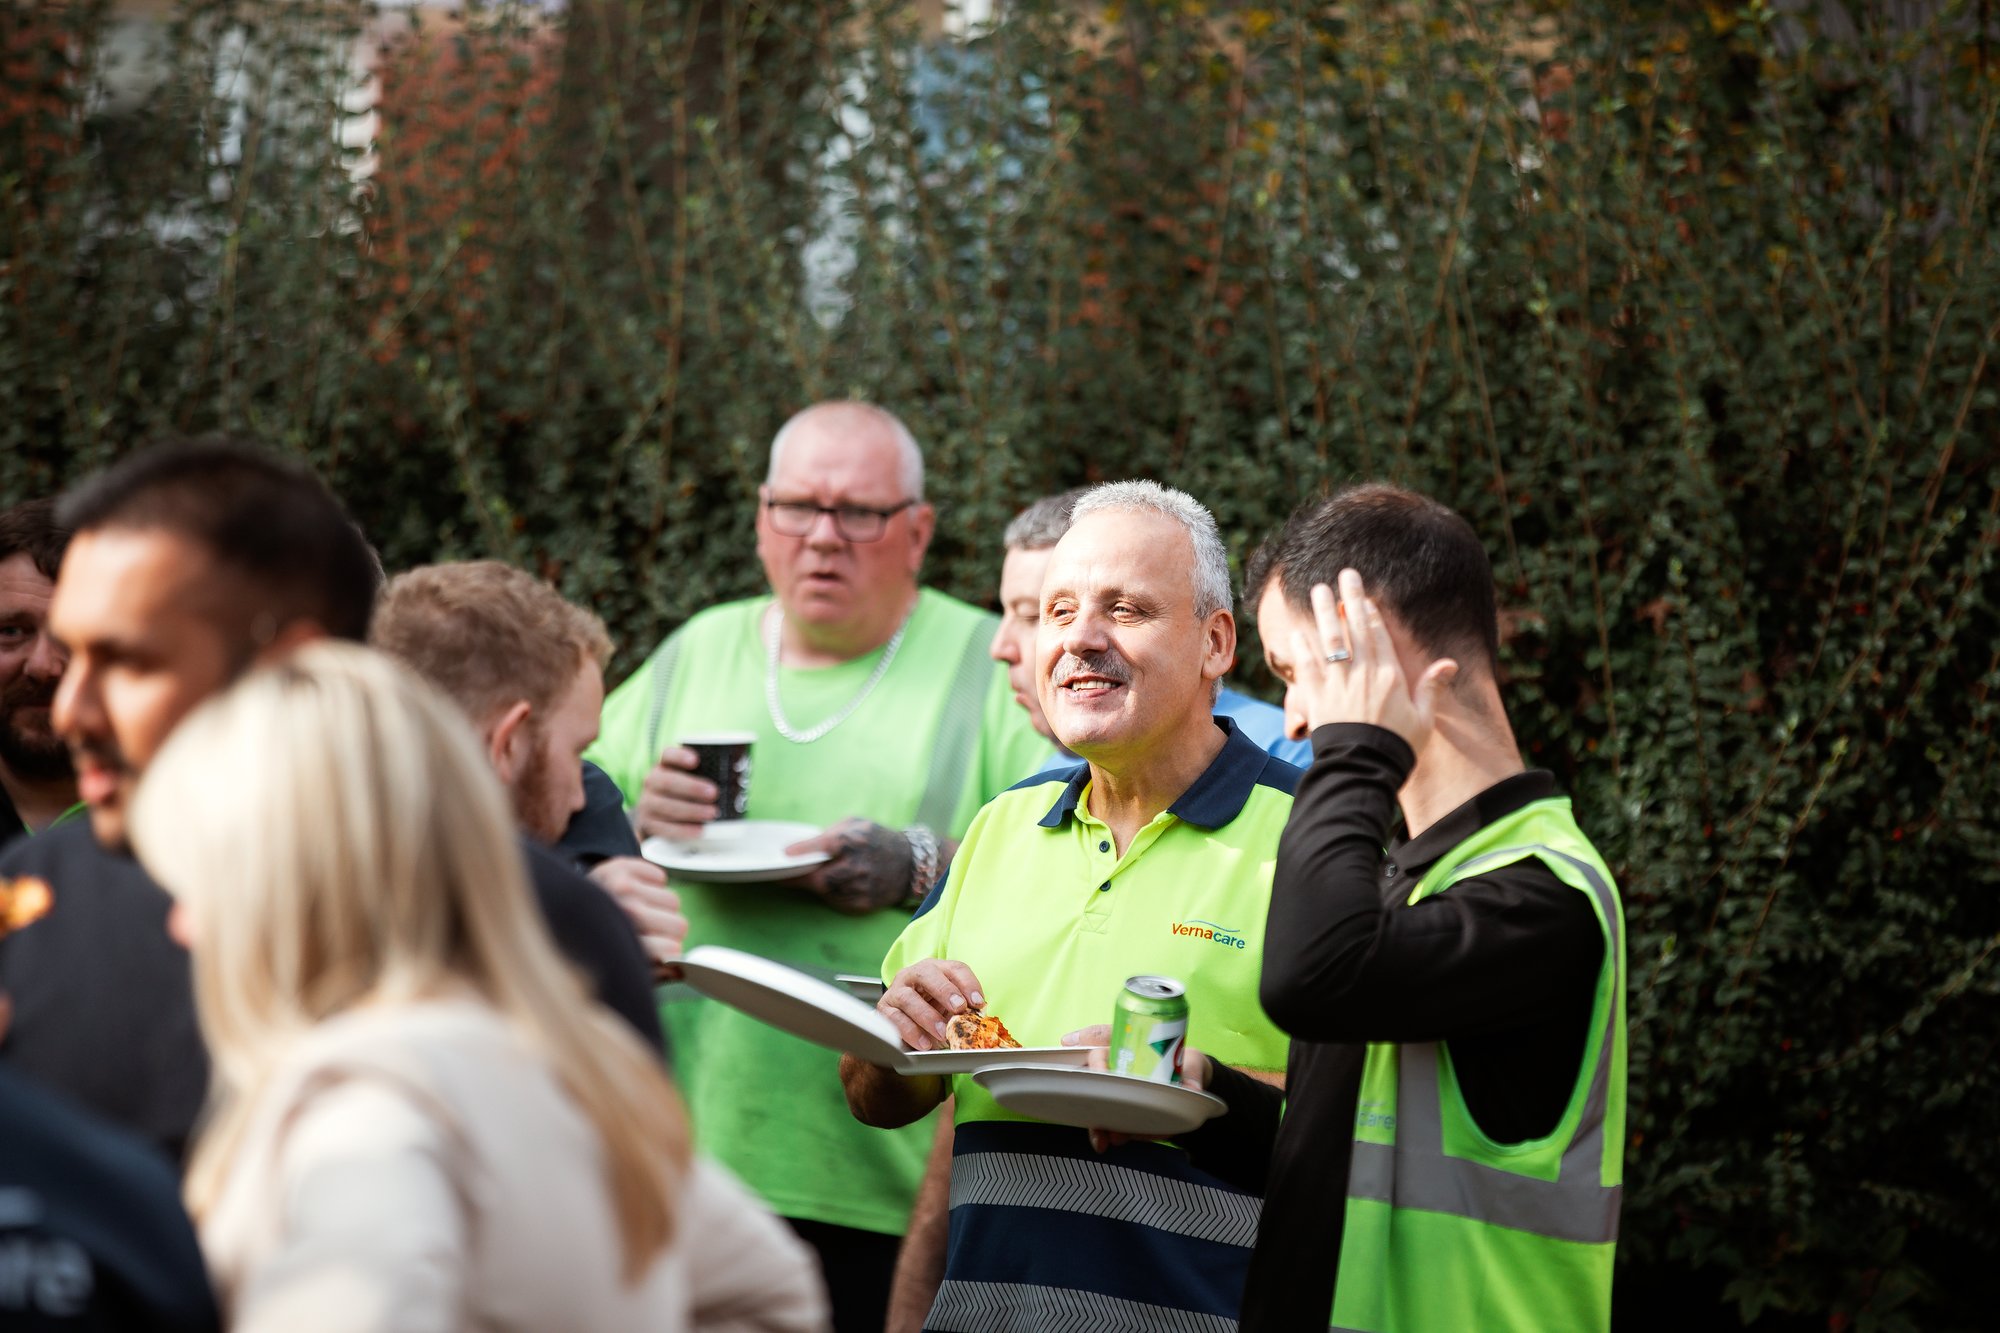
{"points": [[1046, 1234], [998, 1307], [1053, 912]]}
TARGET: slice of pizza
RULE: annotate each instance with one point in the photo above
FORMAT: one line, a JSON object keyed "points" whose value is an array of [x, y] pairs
{"points": [[978, 1032], [23, 902]]}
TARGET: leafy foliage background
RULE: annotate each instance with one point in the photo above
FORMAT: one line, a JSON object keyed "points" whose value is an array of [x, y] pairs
{"points": [[1692, 310]]}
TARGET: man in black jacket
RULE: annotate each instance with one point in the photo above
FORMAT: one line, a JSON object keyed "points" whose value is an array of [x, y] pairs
{"points": [[1450, 1150], [192, 563]]}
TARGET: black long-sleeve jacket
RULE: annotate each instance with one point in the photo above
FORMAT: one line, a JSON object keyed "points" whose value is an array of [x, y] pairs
{"points": [[1503, 967]]}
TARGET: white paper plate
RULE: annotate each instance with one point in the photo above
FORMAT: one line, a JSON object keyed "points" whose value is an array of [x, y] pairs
{"points": [[737, 851], [786, 998], [969, 1062], [828, 1015], [1094, 1099]]}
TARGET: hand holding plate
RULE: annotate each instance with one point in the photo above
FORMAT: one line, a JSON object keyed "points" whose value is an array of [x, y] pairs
{"points": [[1194, 1074], [870, 869]]}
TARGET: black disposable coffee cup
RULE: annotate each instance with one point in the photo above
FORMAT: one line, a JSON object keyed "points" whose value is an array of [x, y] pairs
{"points": [[723, 757]]}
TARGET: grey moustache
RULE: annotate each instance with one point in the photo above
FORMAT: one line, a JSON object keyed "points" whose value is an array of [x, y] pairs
{"points": [[1068, 667]]}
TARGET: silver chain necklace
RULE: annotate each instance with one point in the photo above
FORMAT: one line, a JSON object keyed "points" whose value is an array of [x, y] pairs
{"points": [[776, 619]]}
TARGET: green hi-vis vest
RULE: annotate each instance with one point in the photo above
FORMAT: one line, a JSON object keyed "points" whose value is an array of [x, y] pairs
{"points": [[1448, 1231]]}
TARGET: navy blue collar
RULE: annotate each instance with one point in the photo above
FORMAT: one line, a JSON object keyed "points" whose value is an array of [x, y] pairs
{"points": [[1214, 799]]}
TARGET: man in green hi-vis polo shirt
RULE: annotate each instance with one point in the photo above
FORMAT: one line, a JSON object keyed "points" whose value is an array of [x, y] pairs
{"points": [[878, 716], [1151, 855], [37, 782], [1455, 989]]}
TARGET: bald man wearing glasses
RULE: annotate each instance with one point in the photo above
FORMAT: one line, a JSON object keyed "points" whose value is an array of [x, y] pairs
{"points": [[878, 717]]}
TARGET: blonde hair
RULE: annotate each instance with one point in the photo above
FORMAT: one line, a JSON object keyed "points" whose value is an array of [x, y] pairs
{"points": [[487, 634], [366, 855]]}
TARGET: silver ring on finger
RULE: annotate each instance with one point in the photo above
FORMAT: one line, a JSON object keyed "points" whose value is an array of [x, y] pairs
{"points": [[1340, 655]]}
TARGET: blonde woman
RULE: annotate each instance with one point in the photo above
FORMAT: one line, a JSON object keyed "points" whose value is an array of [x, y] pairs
{"points": [[418, 1120]]}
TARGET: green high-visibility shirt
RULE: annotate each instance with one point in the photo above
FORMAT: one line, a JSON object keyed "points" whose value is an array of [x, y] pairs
{"points": [[938, 736], [1053, 919]]}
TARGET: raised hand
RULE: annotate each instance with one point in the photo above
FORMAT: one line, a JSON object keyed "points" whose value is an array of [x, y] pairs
{"points": [[1346, 668]]}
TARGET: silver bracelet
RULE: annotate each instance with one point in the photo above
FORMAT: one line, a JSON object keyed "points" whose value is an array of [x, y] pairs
{"points": [[923, 860]]}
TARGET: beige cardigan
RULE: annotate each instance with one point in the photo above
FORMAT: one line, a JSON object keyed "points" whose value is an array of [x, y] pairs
{"points": [[418, 1168]]}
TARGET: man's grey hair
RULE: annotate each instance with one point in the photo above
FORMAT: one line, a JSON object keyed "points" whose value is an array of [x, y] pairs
{"points": [[1043, 523], [909, 473], [1211, 561]]}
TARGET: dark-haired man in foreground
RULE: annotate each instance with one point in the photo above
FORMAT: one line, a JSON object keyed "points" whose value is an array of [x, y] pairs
{"points": [[37, 784], [190, 564], [1455, 1121]]}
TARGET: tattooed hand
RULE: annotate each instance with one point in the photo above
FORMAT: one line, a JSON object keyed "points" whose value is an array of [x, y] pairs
{"points": [[870, 869]]}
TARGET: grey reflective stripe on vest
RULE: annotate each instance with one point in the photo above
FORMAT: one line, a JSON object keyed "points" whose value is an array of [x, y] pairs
{"points": [[958, 729], [1565, 1210], [662, 678], [1033, 1180], [1416, 1173], [1009, 1307]]}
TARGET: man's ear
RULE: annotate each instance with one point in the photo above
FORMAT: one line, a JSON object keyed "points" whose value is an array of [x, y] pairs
{"points": [[923, 524], [1414, 658], [1218, 645], [507, 740]]}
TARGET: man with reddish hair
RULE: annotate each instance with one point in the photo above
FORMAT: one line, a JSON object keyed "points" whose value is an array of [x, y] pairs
{"points": [[528, 669]]}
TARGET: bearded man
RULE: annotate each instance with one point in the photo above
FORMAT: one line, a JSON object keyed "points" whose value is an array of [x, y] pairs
{"points": [[37, 783]]}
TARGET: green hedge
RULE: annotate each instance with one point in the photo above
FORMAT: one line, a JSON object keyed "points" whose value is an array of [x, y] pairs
{"points": [[1692, 310]]}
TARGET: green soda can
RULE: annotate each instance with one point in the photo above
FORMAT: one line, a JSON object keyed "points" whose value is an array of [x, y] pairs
{"points": [[1148, 1029]]}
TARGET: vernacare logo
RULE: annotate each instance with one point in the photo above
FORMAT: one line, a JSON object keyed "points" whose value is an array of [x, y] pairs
{"points": [[1226, 936]]}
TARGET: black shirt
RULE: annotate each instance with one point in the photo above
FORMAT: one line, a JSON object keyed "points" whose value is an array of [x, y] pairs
{"points": [[11, 826], [92, 1235], [600, 830], [104, 999], [594, 933], [1504, 967]]}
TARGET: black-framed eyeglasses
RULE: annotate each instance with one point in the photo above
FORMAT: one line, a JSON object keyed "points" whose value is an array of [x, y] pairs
{"points": [[855, 523]]}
